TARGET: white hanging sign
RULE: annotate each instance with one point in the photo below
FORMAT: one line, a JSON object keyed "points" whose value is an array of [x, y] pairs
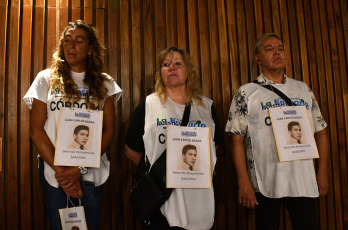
{"points": [[293, 133], [188, 157]]}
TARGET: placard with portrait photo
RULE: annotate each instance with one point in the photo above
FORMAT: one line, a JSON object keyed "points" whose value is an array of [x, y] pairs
{"points": [[188, 157], [78, 137], [293, 133]]}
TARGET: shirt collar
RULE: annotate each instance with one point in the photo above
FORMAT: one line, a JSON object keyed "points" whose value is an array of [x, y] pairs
{"points": [[265, 81]]}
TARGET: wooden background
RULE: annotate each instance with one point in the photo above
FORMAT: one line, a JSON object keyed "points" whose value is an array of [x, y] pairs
{"points": [[220, 35]]}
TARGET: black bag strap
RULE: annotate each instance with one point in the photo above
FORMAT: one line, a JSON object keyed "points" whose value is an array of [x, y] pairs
{"points": [[186, 116], [277, 91], [144, 164]]}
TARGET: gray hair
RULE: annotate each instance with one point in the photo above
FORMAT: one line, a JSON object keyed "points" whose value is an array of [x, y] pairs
{"points": [[264, 37]]}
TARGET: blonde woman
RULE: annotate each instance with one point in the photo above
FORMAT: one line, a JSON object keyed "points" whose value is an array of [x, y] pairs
{"points": [[177, 84]]}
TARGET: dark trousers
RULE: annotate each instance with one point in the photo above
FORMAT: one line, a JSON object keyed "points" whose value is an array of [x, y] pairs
{"points": [[302, 211], [55, 199]]}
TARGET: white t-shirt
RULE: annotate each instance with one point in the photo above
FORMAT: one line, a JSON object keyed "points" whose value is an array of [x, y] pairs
{"points": [[249, 117], [186, 208], [41, 90]]}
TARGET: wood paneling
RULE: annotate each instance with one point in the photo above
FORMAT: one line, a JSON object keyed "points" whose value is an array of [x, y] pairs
{"points": [[25, 154], [220, 35], [3, 41]]}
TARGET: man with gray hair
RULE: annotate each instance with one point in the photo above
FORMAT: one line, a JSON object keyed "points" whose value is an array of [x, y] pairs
{"points": [[264, 182]]}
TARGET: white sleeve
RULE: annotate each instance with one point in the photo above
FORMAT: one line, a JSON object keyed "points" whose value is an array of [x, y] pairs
{"points": [[113, 88], [237, 117], [38, 89]]}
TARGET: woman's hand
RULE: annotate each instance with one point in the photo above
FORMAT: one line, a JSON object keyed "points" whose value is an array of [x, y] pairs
{"points": [[66, 176], [69, 179], [74, 190]]}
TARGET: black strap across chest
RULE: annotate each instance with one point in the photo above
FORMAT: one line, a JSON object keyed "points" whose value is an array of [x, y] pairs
{"points": [[277, 91]]}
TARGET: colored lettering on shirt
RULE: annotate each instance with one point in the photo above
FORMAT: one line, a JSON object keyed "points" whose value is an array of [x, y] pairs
{"points": [[280, 102]]}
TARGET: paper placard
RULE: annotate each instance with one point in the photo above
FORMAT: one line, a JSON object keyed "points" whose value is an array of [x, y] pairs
{"points": [[78, 137], [73, 218], [188, 157], [293, 133]]}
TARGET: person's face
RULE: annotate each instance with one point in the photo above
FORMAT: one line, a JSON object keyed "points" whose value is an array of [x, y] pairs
{"points": [[81, 137], [76, 48], [190, 157], [173, 70], [271, 55], [295, 132]]}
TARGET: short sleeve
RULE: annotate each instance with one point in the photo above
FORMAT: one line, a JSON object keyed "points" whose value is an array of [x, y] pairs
{"points": [[237, 116], [38, 89], [135, 132], [319, 122], [113, 88]]}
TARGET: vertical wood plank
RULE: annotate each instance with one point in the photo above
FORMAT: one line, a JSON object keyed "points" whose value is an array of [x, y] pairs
{"points": [[285, 35], [160, 31], [322, 100], [296, 68], [62, 16], [313, 75], [38, 64], [192, 22], [149, 50], [170, 23], [3, 32], [267, 16], [275, 16], [51, 36], [337, 93], [181, 24], [302, 41], [341, 18], [11, 151], [331, 119], [100, 28], [126, 70], [236, 218], [25, 156], [88, 14], [251, 37], [242, 43], [136, 52], [204, 49], [221, 13], [76, 10], [115, 202], [258, 18]]}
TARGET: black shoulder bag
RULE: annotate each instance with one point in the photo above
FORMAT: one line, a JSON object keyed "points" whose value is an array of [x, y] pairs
{"points": [[276, 91], [149, 190]]}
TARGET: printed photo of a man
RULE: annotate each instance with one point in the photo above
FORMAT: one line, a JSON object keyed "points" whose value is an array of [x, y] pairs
{"points": [[81, 135], [295, 133], [189, 158]]}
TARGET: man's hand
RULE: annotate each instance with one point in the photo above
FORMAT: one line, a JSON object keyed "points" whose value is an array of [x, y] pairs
{"points": [[246, 194], [322, 140]]}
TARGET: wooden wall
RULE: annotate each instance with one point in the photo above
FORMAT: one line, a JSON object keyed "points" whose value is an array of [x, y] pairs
{"points": [[220, 35]]}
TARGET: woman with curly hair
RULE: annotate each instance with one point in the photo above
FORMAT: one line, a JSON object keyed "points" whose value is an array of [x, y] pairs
{"points": [[177, 85], [76, 80]]}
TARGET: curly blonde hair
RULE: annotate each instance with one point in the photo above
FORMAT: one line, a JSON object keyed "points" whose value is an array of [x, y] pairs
{"points": [[94, 79], [193, 88]]}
